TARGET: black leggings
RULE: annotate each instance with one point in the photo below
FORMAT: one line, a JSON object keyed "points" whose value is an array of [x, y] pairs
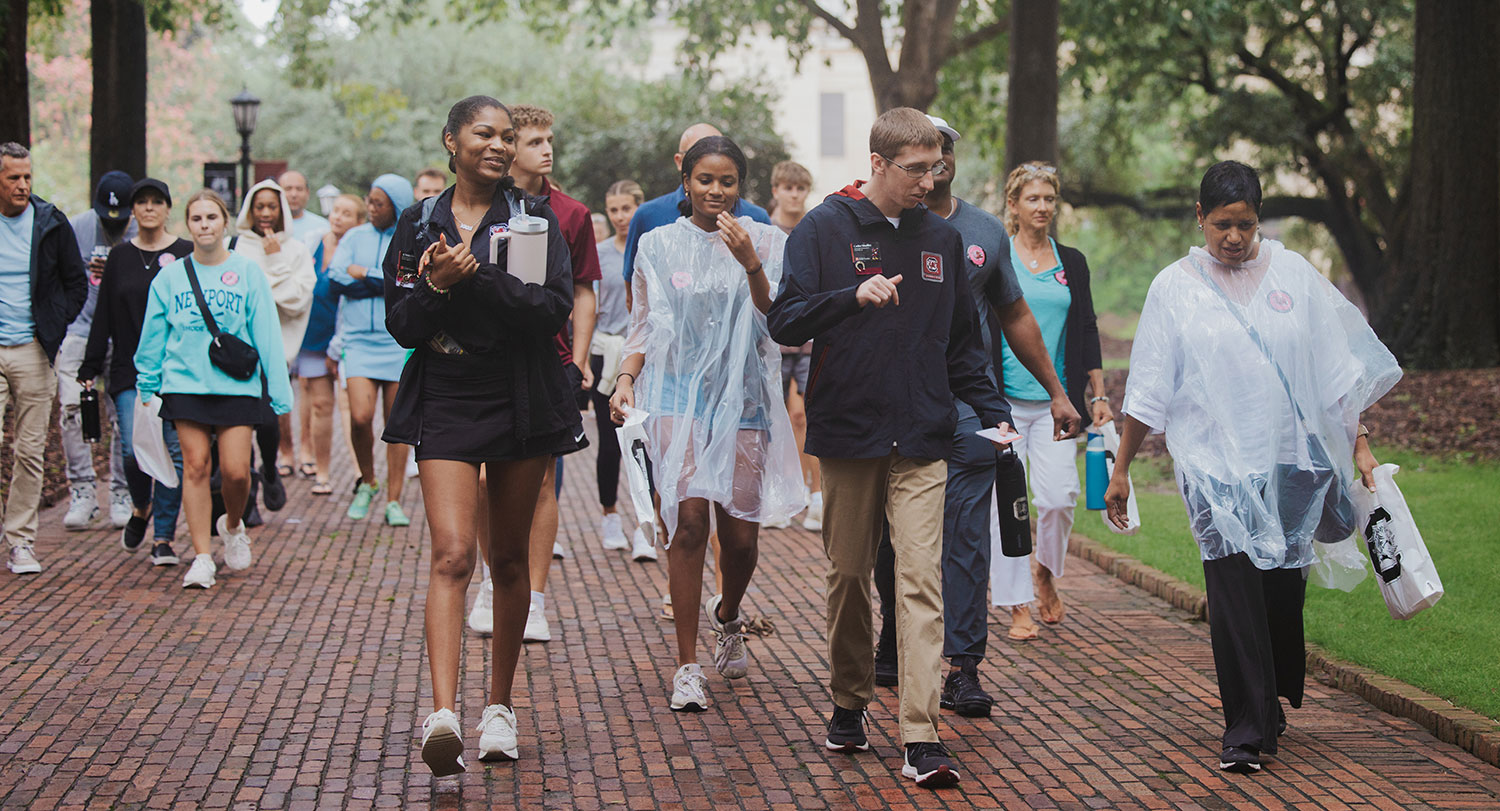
{"points": [[607, 463], [268, 437]]}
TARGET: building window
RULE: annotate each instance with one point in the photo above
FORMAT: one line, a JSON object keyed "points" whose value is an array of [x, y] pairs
{"points": [[832, 118]]}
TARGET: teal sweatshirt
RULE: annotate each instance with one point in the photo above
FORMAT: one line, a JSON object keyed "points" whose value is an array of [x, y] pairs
{"points": [[173, 353]]}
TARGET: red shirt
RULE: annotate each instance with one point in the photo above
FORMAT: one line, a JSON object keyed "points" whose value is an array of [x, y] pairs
{"points": [[578, 231]]}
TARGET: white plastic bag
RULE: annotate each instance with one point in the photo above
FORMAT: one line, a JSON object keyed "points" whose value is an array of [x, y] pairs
{"points": [[632, 436], [1407, 577], [1339, 565], [1132, 512], [150, 444]]}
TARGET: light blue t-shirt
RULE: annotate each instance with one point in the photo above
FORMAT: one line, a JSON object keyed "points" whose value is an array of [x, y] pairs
{"points": [[1049, 298], [16, 324]]}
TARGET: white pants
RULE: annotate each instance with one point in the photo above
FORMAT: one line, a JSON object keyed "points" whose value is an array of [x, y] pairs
{"points": [[1052, 471]]}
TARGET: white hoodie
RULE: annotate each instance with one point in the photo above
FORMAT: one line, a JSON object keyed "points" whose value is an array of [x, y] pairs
{"points": [[290, 270]]}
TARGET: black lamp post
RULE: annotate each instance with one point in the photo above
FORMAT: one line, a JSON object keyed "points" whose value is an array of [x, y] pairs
{"points": [[246, 108]]}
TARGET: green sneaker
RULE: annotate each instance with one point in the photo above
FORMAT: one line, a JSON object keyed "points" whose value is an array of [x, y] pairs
{"points": [[394, 516], [363, 495]]}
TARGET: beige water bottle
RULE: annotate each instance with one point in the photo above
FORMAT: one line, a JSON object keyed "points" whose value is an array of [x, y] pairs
{"points": [[528, 247]]}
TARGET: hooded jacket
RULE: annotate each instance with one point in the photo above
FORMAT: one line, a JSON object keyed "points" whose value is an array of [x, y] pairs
{"points": [[289, 270], [59, 281], [884, 378], [363, 310]]}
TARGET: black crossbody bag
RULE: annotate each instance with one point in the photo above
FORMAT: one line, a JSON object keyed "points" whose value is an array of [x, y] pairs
{"points": [[231, 355]]}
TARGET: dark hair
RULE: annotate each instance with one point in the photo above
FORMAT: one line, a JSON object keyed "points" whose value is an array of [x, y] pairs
{"points": [[463, 112], [711, 145], [1226, 183]]}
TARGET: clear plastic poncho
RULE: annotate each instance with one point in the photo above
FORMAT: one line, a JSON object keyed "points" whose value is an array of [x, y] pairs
{"points": [[1240, 447], [718, 428]]}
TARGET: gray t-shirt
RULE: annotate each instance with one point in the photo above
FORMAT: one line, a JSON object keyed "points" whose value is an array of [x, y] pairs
{"points": [[89, 234], [613, 318], [985, 243]]}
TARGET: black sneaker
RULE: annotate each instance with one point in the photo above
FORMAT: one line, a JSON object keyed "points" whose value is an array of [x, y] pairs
{"points": [[162, 555], [273, 492], [1280, 720], [134, 533], [929, 764], [846, 731], [887, 673], [1240, 760], [963, 695]]}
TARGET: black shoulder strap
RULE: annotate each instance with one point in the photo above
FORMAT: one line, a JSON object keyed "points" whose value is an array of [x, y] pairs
{"points": [[208, 317], [233, 241], [425, 221]]}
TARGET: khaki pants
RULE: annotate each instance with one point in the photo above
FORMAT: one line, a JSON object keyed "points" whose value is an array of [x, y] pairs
{"points": [[859, 495], [26, 375]]}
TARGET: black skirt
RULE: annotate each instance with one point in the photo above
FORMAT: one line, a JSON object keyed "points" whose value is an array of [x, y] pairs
{"points": [[219, 410]]}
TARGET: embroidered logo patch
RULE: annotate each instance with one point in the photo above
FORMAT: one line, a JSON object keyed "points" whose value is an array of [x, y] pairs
{"points": [[229, 278], [681, 279], [1062, 278], [976, 255], [932, 266], [1279, 300]]}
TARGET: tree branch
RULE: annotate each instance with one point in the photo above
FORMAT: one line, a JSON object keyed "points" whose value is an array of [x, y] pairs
{"points": [[979, 36], [833, 21]]}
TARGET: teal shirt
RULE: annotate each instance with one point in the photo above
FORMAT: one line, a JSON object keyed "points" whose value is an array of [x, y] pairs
{"points": [[17, 326], [172, 357], [1049, 298]]}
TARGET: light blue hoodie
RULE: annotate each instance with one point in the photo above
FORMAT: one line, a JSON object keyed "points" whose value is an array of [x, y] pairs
{"points": [[172, 357], [363, 310]]}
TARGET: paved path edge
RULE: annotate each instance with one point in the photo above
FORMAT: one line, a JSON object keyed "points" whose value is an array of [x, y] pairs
{"points": [[1466, 729]]}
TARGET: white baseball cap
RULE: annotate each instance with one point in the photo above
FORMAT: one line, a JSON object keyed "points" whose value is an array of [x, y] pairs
{"points": [[942, 126]]}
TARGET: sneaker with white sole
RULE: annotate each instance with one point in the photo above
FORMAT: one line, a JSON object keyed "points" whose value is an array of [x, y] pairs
{"points": [[236, 546], [731, 657], [644, 548], [162, 555], [201, 574], [609, 530], [443, 744], [497, 734], [537, 629], [83, 506], [689, 689], [120, 507], [813, 521], [482, 615], [930, 765], [558, 552], [23, 561]]}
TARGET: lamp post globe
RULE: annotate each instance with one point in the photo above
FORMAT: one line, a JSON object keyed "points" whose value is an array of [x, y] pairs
{"points": [[246, 108]]}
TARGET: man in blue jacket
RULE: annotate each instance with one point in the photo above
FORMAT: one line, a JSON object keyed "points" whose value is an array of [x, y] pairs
{"points": [[877, 282], [42, 288]]}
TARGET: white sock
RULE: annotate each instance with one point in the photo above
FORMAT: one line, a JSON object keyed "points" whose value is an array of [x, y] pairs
{"points": [[539, 600], [817, 498], [484, 571]]}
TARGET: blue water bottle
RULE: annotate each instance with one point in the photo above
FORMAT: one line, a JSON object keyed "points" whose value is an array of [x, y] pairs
{"points": [[1095, 472]]}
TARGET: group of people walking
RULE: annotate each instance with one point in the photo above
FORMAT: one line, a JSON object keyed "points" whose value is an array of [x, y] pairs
{"points": [[836, 363]]}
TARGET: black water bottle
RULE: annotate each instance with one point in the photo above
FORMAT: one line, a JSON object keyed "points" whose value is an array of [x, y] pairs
{"points": [[1010, 499], [88, 411]]}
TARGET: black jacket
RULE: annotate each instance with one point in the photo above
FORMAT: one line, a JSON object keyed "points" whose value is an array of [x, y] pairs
{"points": [[121, 311], [59, 280], [1081, 351], [489, 313], [882, 378]]}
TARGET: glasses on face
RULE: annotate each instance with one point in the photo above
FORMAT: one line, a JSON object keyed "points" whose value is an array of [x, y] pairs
{"points": [[1039, 167], [918, 172]]}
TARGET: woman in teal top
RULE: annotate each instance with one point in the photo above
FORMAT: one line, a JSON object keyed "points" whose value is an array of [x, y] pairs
{"points": [[1055, 282], [198, 397]]}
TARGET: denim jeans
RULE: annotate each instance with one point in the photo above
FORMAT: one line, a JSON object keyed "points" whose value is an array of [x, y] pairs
{"points": [[165, 502]]}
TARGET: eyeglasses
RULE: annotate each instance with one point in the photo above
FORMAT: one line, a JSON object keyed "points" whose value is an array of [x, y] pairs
{"points": [[1039, 167], [917, 172]]}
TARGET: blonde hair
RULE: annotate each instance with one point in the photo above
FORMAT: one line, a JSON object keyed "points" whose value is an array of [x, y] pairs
{"points": [[211, 196], [790, 173], [1019, 177], [901, 127], [529, 116], [361, 213], [629, 187]]}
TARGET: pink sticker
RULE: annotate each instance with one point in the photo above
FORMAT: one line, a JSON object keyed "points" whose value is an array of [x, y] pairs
{"points": [[1279, 300], [165, 259], [681, 279], [230, 278], [1062, 278], [976, 255]]}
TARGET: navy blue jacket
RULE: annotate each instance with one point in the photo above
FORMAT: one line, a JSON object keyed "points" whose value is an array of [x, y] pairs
{"points": [[882, 378]]}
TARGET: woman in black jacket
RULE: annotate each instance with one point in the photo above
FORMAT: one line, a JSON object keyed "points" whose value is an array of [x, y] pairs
{"points": [[484, 386]]}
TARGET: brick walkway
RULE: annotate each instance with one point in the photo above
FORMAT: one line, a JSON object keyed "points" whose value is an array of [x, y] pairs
{"points": [[301, 683]]}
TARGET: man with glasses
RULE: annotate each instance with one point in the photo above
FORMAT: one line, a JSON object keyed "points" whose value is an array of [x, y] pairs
{"points": [[876, 281]]}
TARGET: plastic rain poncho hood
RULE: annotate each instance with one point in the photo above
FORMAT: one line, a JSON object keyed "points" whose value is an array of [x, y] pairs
{"points": [[290, 271], [1231, 428], [718, 428]]}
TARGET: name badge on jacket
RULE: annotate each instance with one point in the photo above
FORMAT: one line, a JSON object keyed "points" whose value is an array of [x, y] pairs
{"points": [[866, 258]]}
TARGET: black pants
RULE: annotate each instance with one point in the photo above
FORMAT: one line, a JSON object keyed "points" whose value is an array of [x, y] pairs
{"points": [[1255, 625], [607, 463], [885, 586]]}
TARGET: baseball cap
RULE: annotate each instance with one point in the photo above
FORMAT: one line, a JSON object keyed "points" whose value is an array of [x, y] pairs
{"points": [[150, 183], [112, 197], [942, 126]]}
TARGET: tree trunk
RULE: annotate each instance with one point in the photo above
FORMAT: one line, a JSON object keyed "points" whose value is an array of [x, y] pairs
{"points": [[118, 136], [1446, 273], [15, 98], [1031, 117]]}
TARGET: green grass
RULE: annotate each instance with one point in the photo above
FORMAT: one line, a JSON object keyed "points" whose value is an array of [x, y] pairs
{"points": [[1451, 649]]}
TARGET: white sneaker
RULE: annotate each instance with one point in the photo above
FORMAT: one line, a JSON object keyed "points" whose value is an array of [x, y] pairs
{"points": [[236, 546], [609, 530], [536, 626], [411, 466], [23, 561], [688, 693], [482, 615], [120, 507], [644, 549], [83, 506], [497, 734], [731, 657], [443, 744], [813, 521], [558, 553], [779, 523], [201, 574]]}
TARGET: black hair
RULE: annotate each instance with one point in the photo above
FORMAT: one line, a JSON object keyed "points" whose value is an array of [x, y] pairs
{"points": [[461, 114], [1229, 182], [711, 145]]}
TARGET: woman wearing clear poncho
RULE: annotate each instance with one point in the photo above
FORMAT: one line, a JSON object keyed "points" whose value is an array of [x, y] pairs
{"points": [[1256, 369], [700, 361]]}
